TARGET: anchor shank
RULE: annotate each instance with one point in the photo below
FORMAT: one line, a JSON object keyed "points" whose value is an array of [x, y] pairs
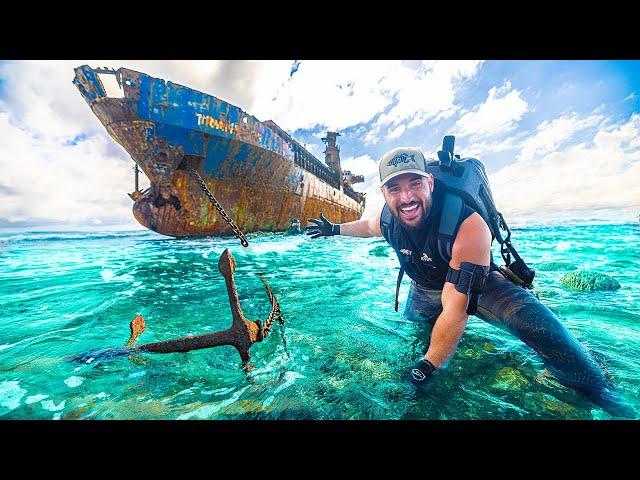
{"points": [[197, 342], [234, 303]]}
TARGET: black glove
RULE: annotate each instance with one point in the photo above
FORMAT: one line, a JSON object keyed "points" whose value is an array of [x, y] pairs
{"points": [[322, 228], [421, 373]]}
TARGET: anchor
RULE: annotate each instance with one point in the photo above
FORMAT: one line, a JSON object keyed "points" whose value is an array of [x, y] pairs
{"points": [[242, 334]]}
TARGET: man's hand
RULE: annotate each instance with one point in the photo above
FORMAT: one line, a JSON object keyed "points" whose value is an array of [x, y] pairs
{"points": [[421, 373], [322, 227]]}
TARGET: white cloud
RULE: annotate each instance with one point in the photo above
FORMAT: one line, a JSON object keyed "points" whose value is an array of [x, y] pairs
{"points": [[581, 178], [368, 167], [336, 94], [396, 132], [46, 181], [499, 113], [420, 95], [551, 134], [482, 149], [375, 201], [316, 150], [361, 165], [547, 137]]}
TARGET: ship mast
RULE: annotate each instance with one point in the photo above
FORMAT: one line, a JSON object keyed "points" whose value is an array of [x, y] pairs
{"points": [[332, 156], [136, 170]]}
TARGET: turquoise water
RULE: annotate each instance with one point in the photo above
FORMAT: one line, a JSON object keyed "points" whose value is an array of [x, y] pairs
{"points": [[343, 352]]}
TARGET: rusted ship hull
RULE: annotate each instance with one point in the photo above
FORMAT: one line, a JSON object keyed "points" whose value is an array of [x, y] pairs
{"points": [[261, 176]]}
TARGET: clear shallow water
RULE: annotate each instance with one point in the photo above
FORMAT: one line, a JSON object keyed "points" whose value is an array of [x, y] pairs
{"points": [[342, 354]]}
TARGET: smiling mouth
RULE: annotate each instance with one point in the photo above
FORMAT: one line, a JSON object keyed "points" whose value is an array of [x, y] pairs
{"points": [[410, 211]]}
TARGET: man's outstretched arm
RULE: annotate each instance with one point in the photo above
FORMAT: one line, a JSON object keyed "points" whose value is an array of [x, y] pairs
{"points": [[369, 227], [472, 245]]}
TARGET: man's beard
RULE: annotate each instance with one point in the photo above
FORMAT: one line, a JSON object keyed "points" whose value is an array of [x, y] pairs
{"points": [[426, 209]]}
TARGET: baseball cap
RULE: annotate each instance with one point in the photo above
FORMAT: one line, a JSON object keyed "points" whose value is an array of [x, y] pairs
{"points": [[401, 160]]}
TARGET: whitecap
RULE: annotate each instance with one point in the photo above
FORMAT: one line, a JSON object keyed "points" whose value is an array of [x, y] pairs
{"points": [[563, 246], [74, 381], [208, 410], [218, 391], [128, 293], [51, 406], [11, 394], [273, 247], [268, 401], [35, 398], [598, 414], [107, 275], [289, 378]]}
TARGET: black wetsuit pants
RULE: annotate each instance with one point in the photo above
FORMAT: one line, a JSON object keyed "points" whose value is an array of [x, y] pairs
{"points": [[517, 310]]}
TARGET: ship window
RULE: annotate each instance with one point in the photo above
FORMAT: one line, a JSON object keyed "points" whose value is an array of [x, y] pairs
{"points": [[244, 119], [111, 87]]}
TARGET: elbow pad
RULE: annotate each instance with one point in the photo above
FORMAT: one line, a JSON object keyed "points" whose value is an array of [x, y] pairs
{"points": [[470, 280]]}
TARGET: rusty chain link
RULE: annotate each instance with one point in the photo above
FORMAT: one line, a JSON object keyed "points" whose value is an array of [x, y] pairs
{"points": [[275, 310], [224, 215]]}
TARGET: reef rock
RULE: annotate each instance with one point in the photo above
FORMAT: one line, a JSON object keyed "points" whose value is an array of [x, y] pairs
{"points": [[380, 251], [555, 266], [585, 281], [508, 378]]}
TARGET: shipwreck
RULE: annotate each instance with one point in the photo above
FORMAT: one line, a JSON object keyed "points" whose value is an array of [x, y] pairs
{"points": [[207, 159]]}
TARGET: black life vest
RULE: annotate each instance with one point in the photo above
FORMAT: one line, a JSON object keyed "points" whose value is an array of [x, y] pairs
{"points": [[427, 264]]}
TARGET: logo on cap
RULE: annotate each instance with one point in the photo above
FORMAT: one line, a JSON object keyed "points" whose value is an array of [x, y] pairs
{"points": [[401, 158]]}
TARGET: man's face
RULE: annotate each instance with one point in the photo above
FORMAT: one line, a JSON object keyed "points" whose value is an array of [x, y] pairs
{"points": [[408, 196]]}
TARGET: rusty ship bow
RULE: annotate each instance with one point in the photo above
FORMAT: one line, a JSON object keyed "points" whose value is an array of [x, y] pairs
{"points": [[260, 175]]}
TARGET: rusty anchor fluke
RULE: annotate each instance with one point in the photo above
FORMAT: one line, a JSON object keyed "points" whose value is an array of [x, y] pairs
{"points": [[242, 334]]}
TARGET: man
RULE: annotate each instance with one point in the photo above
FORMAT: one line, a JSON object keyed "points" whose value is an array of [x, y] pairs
{"points": [[446, 287]]}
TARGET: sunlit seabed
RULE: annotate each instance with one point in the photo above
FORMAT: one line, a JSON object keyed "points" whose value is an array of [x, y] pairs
{"points": [[342, 354]]}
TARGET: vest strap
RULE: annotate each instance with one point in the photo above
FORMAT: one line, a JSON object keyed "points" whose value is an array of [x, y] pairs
{"points": [[400, 274], [451, 213]]}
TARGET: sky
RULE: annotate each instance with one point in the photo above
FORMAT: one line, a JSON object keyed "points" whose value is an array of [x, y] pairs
{"points": [[560, 139]]}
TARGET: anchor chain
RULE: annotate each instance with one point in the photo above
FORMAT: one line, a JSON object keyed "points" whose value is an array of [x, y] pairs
{"points": [[224, 215], [275, 311]]}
